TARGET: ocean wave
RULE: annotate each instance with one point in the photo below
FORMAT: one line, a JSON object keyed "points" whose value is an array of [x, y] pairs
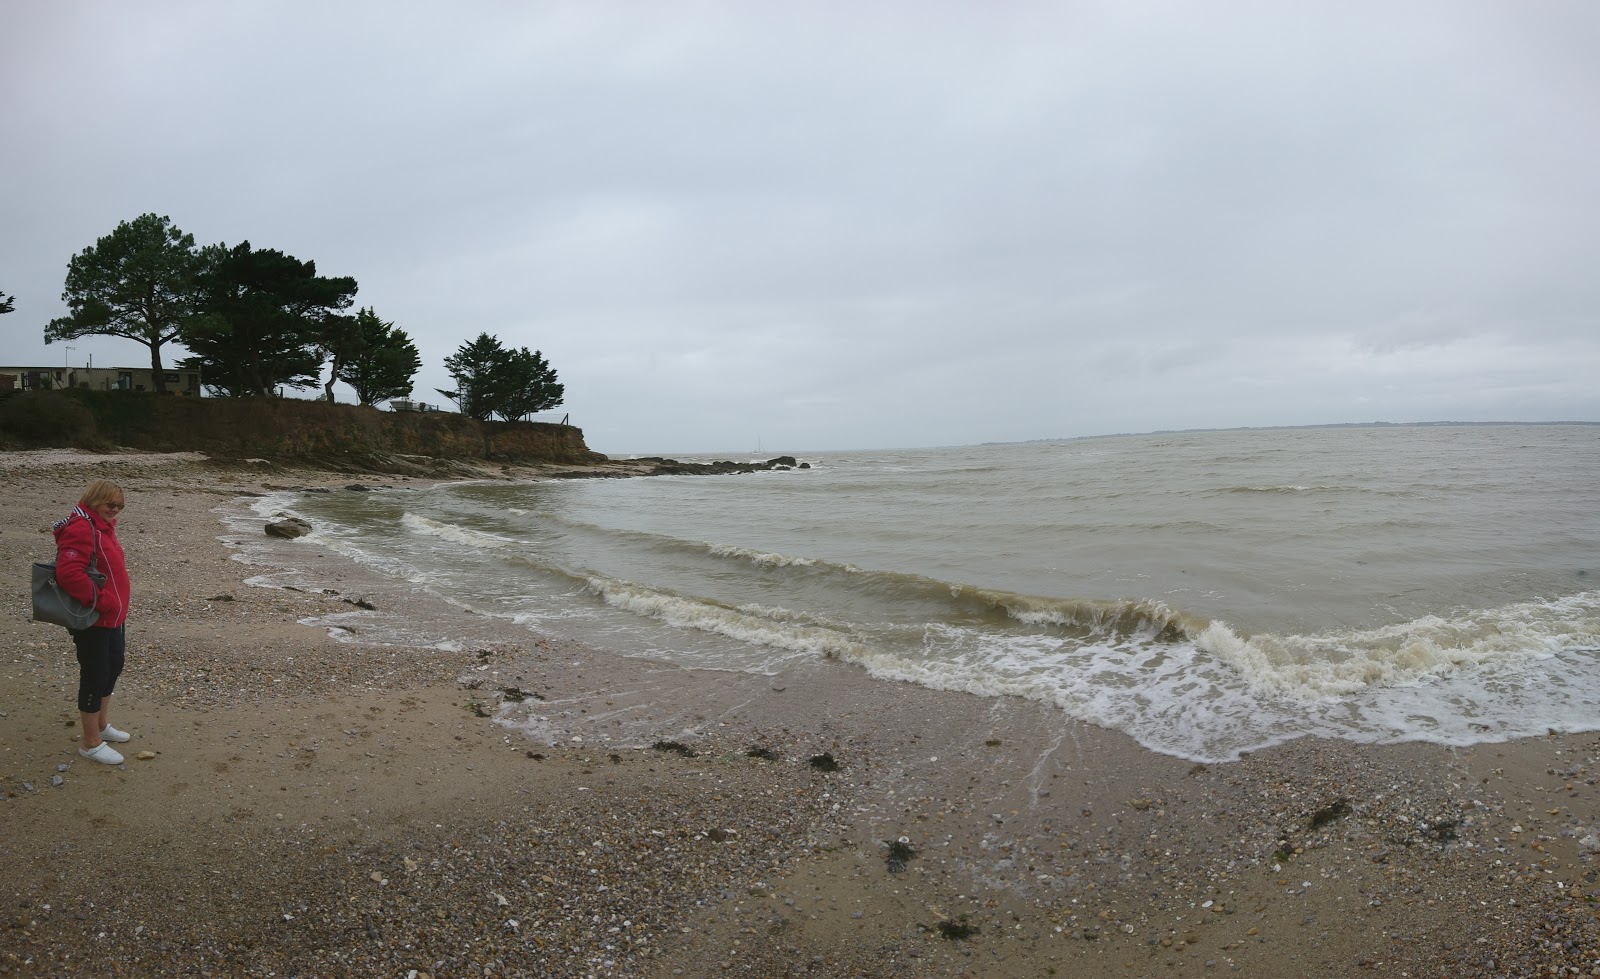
{"points": [[734, 623], [1106, 617], [453, 532], [1339, 663], [1291, 488], [761, 558]]}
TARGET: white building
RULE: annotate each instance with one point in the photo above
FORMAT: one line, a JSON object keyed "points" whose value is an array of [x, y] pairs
{"points": [[97, 378]]}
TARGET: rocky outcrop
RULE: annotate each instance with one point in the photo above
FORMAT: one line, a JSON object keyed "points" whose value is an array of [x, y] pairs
{"points": [[272, 432], [672, 467]]}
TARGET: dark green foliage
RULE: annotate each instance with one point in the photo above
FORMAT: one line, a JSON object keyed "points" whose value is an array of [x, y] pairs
{"points": [[7, 303], [473, 368], [492, 379], [265, 317], [524, 385], [379, 361], [340, 340], [138, 283]]}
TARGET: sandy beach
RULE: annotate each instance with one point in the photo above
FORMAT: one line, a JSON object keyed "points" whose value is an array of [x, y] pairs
{"points": [[300, 803]]}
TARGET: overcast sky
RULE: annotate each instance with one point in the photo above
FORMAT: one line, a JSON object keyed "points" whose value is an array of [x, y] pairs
{"points": [[838, 225]]}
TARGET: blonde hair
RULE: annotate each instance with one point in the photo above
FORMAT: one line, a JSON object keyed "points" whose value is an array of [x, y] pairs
{"points": [[100, 491]]}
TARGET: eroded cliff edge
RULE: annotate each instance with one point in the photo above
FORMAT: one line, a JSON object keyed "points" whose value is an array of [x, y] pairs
{"points": [[339, 437]]}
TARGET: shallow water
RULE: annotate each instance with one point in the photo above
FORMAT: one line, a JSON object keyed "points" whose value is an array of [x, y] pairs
{"points": [[1207, 593]]}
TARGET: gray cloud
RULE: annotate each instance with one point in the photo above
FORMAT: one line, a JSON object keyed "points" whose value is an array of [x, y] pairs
{"points": [[826, 227]]}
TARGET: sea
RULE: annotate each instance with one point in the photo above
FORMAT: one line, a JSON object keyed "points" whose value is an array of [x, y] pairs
{"points": [[1207, 593]]}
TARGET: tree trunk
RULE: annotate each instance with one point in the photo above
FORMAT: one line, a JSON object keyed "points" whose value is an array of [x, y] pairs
{"points": [[157, 375], [333, 375]]}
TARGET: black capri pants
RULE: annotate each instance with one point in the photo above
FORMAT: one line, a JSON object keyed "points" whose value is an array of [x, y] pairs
{"points": [[100, 657]]}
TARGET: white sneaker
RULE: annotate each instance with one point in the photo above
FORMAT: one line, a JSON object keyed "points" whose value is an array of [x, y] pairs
{"points": [[110, 733], [102, 753]]}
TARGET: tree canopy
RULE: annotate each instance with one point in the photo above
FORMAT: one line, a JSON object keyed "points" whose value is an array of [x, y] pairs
{"points": [[525, 384], [258, 320], [265, 318], [138, 283], [379, 360], [7, 303], [492, 379]]}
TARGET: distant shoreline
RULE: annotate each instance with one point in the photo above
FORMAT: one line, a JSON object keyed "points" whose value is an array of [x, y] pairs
{"points": [[1290, 428]]}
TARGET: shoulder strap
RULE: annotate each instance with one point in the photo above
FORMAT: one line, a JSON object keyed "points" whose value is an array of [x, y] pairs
{"points": [[79, 511]]}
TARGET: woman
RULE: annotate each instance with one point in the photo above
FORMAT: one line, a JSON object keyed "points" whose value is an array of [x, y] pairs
{"points": [[89, 537]]}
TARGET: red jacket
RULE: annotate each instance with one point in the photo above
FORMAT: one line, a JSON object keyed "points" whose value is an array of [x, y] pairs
{"points": [[81, 536]]}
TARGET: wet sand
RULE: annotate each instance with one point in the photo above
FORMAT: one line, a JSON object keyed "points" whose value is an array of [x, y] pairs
{"points": [[520, 806]]}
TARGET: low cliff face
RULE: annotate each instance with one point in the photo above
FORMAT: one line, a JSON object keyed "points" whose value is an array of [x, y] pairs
{"points": [[274, 428]]}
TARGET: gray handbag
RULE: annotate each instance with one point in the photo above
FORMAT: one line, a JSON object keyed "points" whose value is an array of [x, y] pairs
{"points": [[52, 604]]}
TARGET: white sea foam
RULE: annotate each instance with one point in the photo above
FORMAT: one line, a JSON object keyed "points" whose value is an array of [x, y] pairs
{"points": [[1342, 662], [1491, 675], [452, 532], [690, 613], [761, 558]]}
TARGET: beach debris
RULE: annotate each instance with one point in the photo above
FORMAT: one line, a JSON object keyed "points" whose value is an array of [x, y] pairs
{"points": [[288, 528], [1337, 809], [220, 598], [146, 756], [518, 695], [765, 754], [900, 853], [1442, 831], [824, 762], [675, 748], [361, 603], [955, 931], [1140, 804], [478, 709], [359, 488], [57, 781], [992, 743]]}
